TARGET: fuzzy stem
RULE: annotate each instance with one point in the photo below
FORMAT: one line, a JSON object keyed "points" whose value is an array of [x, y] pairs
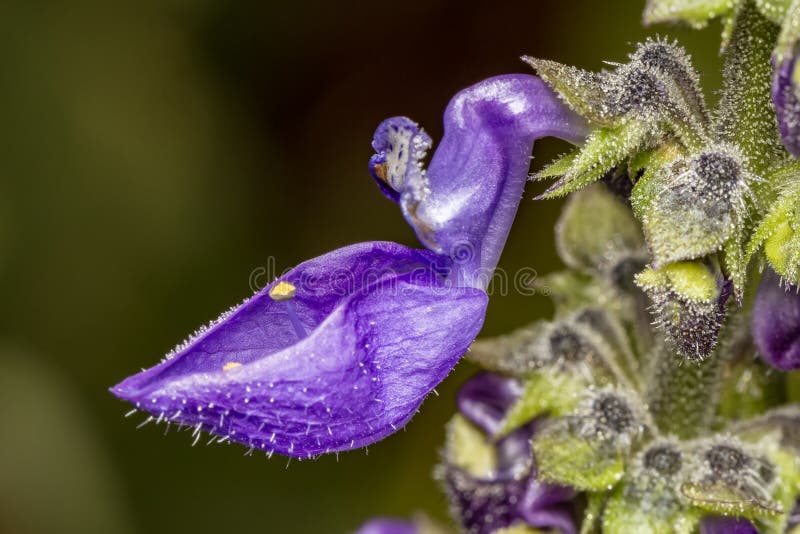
{"points": [[682, 394]]}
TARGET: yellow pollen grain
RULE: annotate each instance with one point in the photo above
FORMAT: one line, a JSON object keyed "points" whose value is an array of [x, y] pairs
{"points": [[231, 365], [282, 291]]}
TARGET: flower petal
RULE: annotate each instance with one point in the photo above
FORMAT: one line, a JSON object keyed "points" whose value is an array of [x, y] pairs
{"points": [[776, 322], [463, 206], [787, 104], [485, 398], [371, 355], [387, 526]]}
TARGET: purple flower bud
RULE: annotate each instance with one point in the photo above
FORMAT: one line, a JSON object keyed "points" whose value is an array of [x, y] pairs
{"points": [[776, 322], [485, 398], [726, 525], [511, 494], [387, 526], [337, 354], [785, 94], [464, 204]]}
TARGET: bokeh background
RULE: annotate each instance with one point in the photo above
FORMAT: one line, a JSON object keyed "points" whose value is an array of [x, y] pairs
{"points": [[153, 154]]}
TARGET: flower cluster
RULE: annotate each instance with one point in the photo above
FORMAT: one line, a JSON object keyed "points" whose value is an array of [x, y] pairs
{"points": [[654, 400]]}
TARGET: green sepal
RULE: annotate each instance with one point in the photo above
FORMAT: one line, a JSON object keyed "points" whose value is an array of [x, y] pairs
{"points": [[734, 261], [737, 482], [687, 306], [782, 424], [559, 167], [593, 513], [748, 388], [550, 393], [648, 501], [596, 228], [654, 162], [627, 513], [779, 233], [604, 149], [790, 25], [564, 457], [557, 353], [582, 90], [467, 448], [588, 449], [774, 10], [571, 290], [746, 113], [689, 279], [786, 491], [696, 13]]}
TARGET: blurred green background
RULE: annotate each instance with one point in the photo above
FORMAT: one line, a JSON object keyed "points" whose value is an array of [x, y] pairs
{"points": [[152, 155]]}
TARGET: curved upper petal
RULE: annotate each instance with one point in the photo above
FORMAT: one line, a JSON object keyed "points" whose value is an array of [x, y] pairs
{"points": [[383, 329], [464, 204], [776, 322]]}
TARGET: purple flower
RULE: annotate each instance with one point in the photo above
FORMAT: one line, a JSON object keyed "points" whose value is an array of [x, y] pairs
{"points": [[512, 494], [341, 364], [726, 525], [785, 93], [341, 351], [387, 526], [776, 322], [465, 202]]}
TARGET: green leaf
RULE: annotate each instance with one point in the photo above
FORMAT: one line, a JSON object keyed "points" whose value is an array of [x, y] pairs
{"points": [[594, 229], [604, 149], [696, 13]]}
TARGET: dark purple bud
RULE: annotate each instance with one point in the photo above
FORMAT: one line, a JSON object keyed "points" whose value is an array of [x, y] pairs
{"points": [[388, 526], [776, 322], [785, 96], [336, 354], [510, 494], [485, 398], [465, 202], [718, 524]]}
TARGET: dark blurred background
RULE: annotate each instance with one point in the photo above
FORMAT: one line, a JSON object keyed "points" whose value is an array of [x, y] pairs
{"points": [[152, 155]]}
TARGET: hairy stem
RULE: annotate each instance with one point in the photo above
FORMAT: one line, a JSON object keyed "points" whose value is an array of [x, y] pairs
{"points": [[682, 394]]}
